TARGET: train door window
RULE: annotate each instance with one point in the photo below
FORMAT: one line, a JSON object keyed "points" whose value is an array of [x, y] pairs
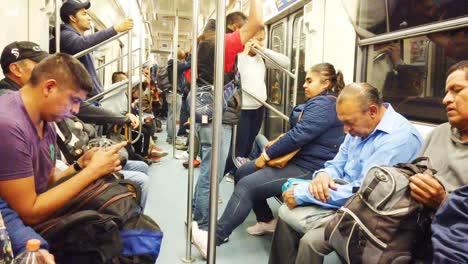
{"points": [[276, 82], [297, 91], [376, 17], [411, 72]]}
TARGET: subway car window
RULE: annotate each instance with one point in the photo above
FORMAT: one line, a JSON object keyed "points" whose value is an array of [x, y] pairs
{"points": [[376, 17], [276, 76], [411, 72], [300, 97], [276, 82]]}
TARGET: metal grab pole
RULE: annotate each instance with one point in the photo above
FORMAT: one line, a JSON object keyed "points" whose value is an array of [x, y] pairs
{"points": [[57, 26], [193, 87], [140, 89], [296, 67], [174, 81], [283, 116], [93, 48], [233, 146], [263, 55], [117, 86], [217, 132], [129, 76], [114, 60]]}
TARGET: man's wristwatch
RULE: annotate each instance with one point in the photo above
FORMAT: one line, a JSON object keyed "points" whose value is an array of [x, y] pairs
{"points": [[77, 166]]}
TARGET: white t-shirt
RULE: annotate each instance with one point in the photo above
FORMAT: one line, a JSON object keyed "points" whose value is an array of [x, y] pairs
{"points": [[252, 72]]}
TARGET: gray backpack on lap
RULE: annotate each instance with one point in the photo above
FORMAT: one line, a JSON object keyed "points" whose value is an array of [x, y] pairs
{"points": [[381, 223]]}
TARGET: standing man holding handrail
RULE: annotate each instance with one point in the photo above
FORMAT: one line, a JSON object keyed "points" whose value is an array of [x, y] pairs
{"points": [[73, 40]]}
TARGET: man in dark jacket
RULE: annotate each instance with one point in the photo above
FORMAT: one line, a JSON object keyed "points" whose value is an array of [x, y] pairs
{"points": [[18, 60], [77, 20]]}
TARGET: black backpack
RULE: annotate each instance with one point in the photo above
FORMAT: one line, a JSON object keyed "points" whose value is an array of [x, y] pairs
{"points": [[87, 228], [111, 195], [163, 79], [381, 223], [82, 237]]}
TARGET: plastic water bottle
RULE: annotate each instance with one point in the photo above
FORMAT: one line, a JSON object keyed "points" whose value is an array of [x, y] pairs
{"points": [[6, 251], [32, 254]]}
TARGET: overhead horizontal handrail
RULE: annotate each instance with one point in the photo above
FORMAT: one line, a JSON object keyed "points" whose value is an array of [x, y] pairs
{"points": [[97, 96], [136, 67], [114, 60], [95, 47], [267, 105], [263, 55]]}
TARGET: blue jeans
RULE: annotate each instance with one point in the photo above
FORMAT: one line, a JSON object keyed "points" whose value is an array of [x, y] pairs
{"points": [[252, 189], [137, 171], [201, 198], [258, 146]]}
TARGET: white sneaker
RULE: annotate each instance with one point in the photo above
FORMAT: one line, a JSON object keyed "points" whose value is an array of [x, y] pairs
{"points": [[200, 239], [229, 177], [183, 156], [242, 160], [181, 140], [262, 228]]}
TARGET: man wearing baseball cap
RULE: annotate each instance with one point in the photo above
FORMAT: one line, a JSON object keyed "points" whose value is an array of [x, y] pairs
{"points": [[77, 20], [18, 60]]}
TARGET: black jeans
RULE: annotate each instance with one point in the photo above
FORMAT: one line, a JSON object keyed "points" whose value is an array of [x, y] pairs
{"points": [[249, 125]]}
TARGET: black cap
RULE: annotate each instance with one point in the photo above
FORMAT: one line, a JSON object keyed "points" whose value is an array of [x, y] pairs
{"points": [[20, 50], [70, 6]]}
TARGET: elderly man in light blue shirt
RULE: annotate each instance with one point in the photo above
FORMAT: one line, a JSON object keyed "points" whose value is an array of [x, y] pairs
{"points": [[376, 135]]}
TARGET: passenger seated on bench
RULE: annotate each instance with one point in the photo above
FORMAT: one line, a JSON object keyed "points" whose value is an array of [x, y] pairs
{"points": [[20, 234], [377, 135], [57, 86], [17, 69], [117, 102], [447, 148], [315, 129]]}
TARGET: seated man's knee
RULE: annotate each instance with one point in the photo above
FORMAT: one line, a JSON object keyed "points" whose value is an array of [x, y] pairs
{"points": [[314, 242]]}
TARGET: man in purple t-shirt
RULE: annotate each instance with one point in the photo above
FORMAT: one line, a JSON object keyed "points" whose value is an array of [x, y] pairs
{"points": [[55, 90]]}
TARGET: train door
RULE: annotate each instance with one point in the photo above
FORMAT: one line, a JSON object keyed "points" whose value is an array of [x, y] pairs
{"points": [[276, 82], [296, 92], [287, 37]]}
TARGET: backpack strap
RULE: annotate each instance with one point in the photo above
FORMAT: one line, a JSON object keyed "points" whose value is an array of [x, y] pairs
{"points": [[370, 188], [65, 151]]}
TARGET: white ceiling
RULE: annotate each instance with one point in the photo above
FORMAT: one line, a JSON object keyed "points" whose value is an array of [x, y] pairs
{"points": [[160, 13]]}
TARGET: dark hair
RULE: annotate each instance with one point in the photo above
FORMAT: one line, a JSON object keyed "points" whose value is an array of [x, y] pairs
{"points": [[116, 74], [328, 73], [365, 93], [66, 19], [461, 65], [64, 68], [235, 18]]}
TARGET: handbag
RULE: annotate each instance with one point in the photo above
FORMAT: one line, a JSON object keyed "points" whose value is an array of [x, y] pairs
{"points": [[204, 98], [281, 162]]}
